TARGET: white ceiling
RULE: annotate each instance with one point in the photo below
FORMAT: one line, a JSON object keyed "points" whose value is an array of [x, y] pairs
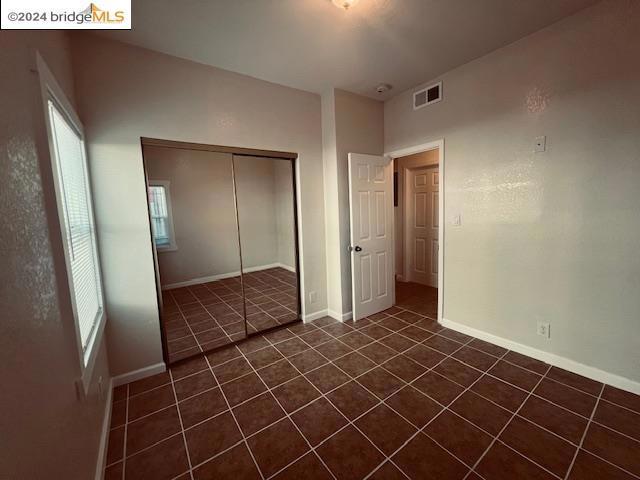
{"points": [[312, 45]]}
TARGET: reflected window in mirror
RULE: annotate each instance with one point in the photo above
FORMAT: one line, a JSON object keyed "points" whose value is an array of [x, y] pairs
{"points": [[161, 217]]}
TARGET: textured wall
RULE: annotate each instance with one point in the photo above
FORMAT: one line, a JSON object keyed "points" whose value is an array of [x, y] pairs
{"points": [[46, 431], [204, 216], [359, 129], [547, 236], [126, 92]]}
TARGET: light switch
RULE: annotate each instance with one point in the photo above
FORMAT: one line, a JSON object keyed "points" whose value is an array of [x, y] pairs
{"points": [[457, 220], [540, 144]]}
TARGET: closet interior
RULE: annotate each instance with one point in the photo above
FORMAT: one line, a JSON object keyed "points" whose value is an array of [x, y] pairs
{"points": [[224, 231]]}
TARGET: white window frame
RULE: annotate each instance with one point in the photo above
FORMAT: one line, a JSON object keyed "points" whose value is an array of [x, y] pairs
{"points": [[172, 246], [51, 91]]}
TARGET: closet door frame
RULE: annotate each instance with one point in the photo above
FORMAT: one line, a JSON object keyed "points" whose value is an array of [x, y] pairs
{"points": [[239, 152]]}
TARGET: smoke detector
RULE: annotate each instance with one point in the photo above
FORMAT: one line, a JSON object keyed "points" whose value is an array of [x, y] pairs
{"points": [[345, 4], [383, 87]]}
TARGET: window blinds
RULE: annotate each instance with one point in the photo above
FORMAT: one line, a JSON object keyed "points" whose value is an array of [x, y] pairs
{"points": [[78, 227], [159, 214]]}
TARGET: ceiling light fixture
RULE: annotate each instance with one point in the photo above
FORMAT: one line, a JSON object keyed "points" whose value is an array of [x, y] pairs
{"points": [[344, 4]]}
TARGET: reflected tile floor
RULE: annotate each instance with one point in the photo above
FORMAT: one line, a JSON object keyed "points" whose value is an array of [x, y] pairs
{"points": [[393, 396], [417, 298], [202, 317]]}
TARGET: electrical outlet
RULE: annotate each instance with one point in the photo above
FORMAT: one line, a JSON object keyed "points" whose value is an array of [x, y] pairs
{"points": [[540, 144], [457, 220], [313, 297], [544, 329]]}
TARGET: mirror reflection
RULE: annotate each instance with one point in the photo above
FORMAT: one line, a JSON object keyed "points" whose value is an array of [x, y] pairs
{"points": [[266, 217], [194, 226]]}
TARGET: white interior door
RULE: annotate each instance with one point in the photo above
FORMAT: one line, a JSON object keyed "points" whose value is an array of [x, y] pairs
{"points": [[423, 223], [371, 215]]}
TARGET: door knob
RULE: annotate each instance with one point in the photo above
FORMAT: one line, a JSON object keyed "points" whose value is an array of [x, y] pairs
{"points": [[356, 248]]}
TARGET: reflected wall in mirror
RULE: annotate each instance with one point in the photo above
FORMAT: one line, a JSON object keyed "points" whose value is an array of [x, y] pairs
{"points": [[266, 216], [195, 230]]}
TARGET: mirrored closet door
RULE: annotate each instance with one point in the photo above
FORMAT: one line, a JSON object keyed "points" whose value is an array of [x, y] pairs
{"points": [[223, 228], [266, 218]]}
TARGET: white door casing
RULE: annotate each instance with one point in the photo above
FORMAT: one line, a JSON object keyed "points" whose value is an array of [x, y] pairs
{"points": [[410, 150], [423, 223], [372, 249]]}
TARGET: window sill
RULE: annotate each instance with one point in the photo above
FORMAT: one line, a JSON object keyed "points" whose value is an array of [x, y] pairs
{"points": [[168, 248], [89, 358]]}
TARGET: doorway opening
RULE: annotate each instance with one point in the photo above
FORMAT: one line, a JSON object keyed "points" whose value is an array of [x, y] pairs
{"points": [[418, 207]]}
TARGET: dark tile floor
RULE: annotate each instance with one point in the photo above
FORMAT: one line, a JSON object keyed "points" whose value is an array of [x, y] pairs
{"points": [[393, 396], [203, 317]]}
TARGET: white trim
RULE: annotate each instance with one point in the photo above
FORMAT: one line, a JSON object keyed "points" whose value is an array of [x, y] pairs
{"points": [[139, 374], [403, 152], [341, 317], [104, 435], [426, 91], [199, 280], [314, 316], [221, 276], [548, 357], [52, 93], [286, 267], [172, 247], [300, 240]]}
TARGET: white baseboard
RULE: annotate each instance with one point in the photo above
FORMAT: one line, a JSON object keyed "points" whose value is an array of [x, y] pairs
{"points": [[199, 280], [104, 435], [139, 374], [310, 317], [286, 267], [550, 358], [341, 317], [222, 276]]}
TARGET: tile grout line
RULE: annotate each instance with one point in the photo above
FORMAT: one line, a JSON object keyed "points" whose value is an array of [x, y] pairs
{"points": [[420, 430], [124, 443], [303, 406], [351, 377], [224, 301], [188, 326], [378, 403], [214, 318], [483, 373], [244, 438], [288, 416], [444, 408], [495, 439], [184, 437], [584, 434]]}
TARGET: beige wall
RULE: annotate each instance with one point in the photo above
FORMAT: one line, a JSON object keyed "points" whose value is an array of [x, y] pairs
{"points": [[265, 214], [46, 431], [545, 236], [355, 124], [331, 207], [204, 215], [285, 214], [429, 157], [127, 92]]}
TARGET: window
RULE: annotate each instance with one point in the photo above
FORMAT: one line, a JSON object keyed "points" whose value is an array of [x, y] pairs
{"points": [[161, 218], [75, 212]]}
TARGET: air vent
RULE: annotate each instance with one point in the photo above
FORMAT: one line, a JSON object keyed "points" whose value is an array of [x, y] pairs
{"points": [[427, 96]]}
